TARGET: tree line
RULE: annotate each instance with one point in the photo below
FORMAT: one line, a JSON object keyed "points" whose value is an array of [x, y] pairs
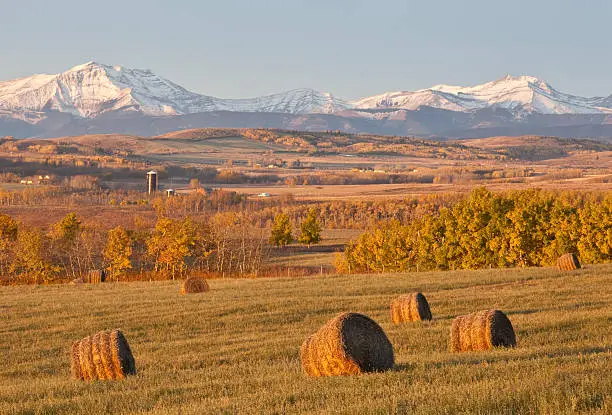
{"points": [[225, 234], [223, 244], [519, 228]]}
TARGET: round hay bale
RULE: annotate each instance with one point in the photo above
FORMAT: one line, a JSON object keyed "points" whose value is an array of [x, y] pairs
{"points": [[96, 276], [194, 285], [455, 334], [568, 262], [75, 362], [482, 330], [410, 307], [86, 358], [348, 344], [105, 355], [96, 354], [123, 360]]}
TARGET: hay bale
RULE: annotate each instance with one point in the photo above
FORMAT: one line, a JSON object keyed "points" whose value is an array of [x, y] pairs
{"points": [[77, 281], [194, 285], [105, 355], [123, 360], [410, 307], [88, 370], [348, 344], [482, 330], [95, 276], [75, 362], [98, 343], [568, 262]]}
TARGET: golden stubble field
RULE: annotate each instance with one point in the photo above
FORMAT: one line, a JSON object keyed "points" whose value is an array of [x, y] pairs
{"points": [[235, 349], [370, 192]]}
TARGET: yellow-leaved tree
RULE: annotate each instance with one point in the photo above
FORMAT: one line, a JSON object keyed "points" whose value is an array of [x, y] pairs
{"points": [[171, 244], [281, 234], [118, 252], [8, 236], [31, 265], [310, 229]]}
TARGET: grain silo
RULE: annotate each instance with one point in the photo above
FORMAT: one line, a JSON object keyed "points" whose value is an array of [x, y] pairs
{"points": [[151, 182]]}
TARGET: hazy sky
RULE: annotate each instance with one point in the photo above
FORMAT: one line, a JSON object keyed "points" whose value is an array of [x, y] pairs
{"points": [[231, 48]]}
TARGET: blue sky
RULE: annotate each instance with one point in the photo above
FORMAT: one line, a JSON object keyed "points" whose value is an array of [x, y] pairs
{"points": [[231, 48]]}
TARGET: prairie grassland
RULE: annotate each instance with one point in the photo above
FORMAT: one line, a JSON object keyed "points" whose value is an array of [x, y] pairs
{"points": [[235, 348], [341, 192]]}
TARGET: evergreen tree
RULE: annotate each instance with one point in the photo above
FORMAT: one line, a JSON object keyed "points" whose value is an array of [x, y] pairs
{"points": [[68, 228], [310, 229], [281, 230]]}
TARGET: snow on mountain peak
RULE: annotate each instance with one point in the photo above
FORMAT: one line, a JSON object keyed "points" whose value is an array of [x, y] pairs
{"points": [[519, 94], [92, 89], [85, 66]]}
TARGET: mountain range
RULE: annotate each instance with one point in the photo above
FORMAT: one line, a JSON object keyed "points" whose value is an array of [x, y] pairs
{"points": [[98, 98]]}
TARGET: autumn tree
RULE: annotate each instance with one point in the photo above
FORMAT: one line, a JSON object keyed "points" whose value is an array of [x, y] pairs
{"points": [[171, 244], [281, 230], [194, 183], [65, 237], [31, 264], [310, 229], [383, 249], [524, 228], [68, 228], [118, 252], [8, 236], [90, 245], [595, 231], [232, 245]]}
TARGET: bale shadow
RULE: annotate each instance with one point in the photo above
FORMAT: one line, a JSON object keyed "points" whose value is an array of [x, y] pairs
{"points": [[531, 311], [569, 307], [402, 367], [477, 360], [442, 318]]}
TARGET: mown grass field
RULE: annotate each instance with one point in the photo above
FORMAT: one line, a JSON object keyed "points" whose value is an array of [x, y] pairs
{"points": [[235, 348]]}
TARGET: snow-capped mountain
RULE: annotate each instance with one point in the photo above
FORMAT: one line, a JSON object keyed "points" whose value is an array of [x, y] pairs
{"points": [[100, 98], [92, 89], [519, 94]]}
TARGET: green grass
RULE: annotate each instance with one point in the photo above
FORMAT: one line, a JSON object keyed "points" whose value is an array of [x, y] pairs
{"points": [[235, 348]]}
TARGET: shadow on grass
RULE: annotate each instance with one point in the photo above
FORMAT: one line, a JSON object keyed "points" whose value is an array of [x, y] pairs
{"points": [[531, 311], [486, 358], [304, 249], [479, 358], [403, 367], [569, 307]]}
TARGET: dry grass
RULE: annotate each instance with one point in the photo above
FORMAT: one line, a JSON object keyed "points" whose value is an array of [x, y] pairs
{"points": [[482, 330], [348, 344], [193, 285], [238, 351], [402, 191], [410, 307], [568, 262]]}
